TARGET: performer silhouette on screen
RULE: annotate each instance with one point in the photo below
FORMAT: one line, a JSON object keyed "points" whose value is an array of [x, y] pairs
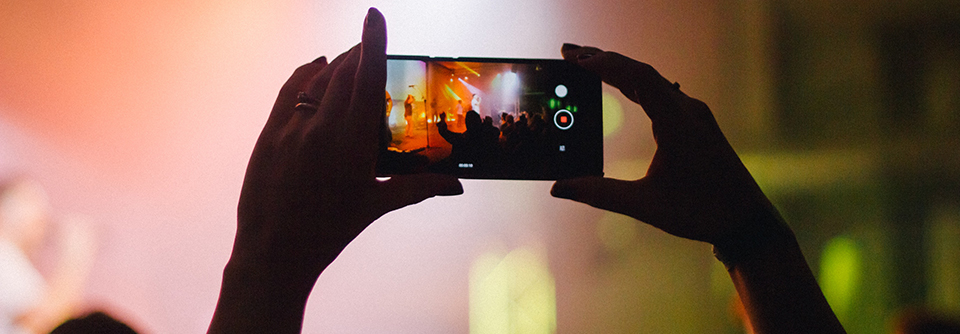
{"points": [[460, 114], [475, 103], [408, 114]]}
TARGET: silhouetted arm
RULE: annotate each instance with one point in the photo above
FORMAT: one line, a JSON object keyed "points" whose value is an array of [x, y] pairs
{"points": [[451, 137], [697, 188], [779, 292], [310, 188]]}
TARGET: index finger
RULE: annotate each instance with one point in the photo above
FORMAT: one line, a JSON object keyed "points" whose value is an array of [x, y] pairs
{"points": [[367, 110], [638, 81]]}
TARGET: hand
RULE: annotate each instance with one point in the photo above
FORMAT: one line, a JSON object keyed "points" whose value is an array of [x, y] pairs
{"points": [[696, 186], [310, 185]]}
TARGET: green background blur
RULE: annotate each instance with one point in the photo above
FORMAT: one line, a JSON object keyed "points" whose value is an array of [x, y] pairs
{"points": [[848, 115]]}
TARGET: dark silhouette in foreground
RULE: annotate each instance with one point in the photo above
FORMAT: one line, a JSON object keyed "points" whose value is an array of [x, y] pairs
{"points": [[94, 323]]}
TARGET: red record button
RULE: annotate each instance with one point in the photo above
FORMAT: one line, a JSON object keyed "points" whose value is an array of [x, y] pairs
{"points": [[563, 119]]}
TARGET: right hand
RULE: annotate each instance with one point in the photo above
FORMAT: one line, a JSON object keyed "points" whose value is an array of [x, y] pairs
{"points": [[696, 186]]}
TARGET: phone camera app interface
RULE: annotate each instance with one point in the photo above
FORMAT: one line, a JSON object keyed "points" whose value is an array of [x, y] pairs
{"points": [[491, 118]]}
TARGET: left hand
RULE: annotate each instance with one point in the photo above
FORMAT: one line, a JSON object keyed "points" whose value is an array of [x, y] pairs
{"points": [[310, 186]]}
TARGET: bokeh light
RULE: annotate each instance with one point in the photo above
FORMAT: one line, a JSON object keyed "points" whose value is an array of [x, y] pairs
{"points": [[612, 114], [840, 271]]}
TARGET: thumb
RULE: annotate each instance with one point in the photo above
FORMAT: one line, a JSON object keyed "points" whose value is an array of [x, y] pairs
{"points": [[402, 190], [609, 194]]}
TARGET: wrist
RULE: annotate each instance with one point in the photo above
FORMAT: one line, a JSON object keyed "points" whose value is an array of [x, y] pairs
{"points": [[264, 252], [777, 288], [257, 274], [258, 299], [764, 232]]}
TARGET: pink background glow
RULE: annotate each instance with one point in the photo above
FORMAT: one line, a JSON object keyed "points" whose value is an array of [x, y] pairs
{"points": [[141, 116]]}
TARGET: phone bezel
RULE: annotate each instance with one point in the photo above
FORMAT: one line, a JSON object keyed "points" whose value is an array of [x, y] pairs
{"points": [[591, 163]]}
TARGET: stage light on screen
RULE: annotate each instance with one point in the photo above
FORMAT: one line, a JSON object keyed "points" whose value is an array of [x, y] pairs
{"points": [[450, 93], [468, 69], [511, 80], [561, 91], [511, 86], [471, 88]]}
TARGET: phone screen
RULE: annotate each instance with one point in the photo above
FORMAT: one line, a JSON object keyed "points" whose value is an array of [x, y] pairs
{"points": [[491, 118]]}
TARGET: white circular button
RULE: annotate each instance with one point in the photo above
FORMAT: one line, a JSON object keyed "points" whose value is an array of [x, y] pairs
{"points": [[561, 91], [563, 119]]}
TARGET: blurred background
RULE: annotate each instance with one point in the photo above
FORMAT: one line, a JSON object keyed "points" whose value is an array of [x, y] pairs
{"points": [[140, 117]]}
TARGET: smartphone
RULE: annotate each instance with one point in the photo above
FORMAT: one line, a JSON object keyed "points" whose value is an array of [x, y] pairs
{"points": [[491, 118]]}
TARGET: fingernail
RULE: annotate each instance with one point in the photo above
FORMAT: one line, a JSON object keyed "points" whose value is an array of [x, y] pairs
{"points": [[366, 20], [584, 56], [569, 46]]}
